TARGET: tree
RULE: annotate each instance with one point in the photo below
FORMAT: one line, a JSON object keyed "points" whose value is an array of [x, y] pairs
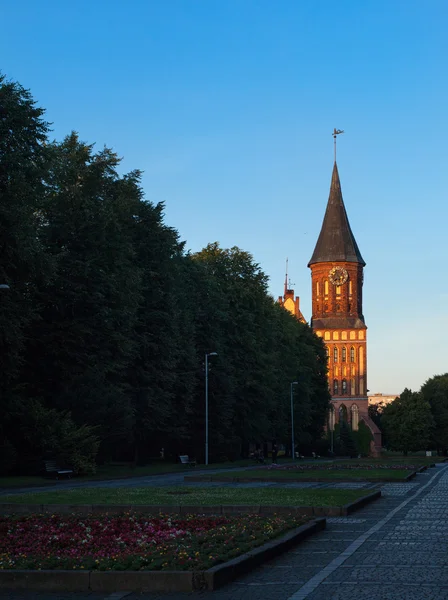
{"points": [[80, 347], [23, 262], [408, 422], [346, 440], [435, 391]]}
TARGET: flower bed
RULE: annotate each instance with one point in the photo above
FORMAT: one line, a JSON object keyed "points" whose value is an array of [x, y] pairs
{"points": [[133, 542]]}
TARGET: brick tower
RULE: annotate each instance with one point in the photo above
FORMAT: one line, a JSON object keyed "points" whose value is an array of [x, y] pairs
{"points": [[337, 316]]}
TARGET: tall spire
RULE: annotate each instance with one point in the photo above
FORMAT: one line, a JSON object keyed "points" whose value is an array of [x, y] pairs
{"points": [[336, 241], [286, 277]]}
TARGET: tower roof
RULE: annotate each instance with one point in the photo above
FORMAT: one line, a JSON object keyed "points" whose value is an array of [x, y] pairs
{"points": [[336, 241]]}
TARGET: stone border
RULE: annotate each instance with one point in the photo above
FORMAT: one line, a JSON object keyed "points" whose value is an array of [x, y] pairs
{"points": [[221, 509], [210, 478], [155, 581]]}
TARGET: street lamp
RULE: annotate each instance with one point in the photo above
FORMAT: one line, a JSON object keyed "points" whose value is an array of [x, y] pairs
{"points": [[331, 426], [293, 454], [206, 403]]}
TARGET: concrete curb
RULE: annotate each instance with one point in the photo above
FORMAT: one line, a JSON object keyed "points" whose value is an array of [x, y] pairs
{"points": [[353, 506], [209, 478], [231, 509], [155, 581]]}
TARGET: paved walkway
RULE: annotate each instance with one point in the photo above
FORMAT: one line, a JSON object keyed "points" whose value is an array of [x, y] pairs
{"points": [[393, 549]]}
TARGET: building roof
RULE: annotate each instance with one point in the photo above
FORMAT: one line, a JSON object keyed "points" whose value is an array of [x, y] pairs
{"points": [[336, 242], [339, 323]]}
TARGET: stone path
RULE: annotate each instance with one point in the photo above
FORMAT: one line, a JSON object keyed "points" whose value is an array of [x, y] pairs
{"points": [[393, 549]]}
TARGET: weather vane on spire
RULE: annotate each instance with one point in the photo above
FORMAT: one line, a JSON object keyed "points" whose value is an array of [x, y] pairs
{"points": [[335, 133], [288, 284]]}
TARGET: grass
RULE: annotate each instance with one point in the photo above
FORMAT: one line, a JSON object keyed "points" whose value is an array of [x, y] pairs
{"points": [[108, 472], [342, 475], [191, 496]]}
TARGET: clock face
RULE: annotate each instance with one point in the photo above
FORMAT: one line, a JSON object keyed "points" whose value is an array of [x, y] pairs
{"points": [[338, 275]]}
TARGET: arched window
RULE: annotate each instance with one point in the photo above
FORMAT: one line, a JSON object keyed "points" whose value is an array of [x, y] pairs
{"points": [[326, 287], [354, 417], [342, 414], [317, 288], [335, 386], [335, 354], [344, 354], [331, 418], [327, 350], [344, 386], [352, 354]]}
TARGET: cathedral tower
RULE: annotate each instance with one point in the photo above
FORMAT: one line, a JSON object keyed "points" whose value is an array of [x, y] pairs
{"points": [[337, 313]]}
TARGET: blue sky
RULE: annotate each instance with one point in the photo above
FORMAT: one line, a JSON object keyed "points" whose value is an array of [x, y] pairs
{"points": [[228, 108]]}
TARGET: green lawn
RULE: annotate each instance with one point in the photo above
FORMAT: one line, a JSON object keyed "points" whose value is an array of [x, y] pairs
{"points": [[191, 496], [124, 471], [342, 475]]}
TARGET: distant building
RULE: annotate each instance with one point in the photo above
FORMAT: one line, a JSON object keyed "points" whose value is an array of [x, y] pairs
{"points": [[381, 399], [290, 303]]}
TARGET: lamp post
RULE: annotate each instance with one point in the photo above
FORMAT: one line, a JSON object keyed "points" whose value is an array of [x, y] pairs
{"points": [[206, 402], [293, 454], [331, 425]]}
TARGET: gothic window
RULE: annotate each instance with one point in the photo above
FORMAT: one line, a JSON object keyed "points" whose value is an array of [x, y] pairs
{"points": [[335, 386], [327, 350], [317, 288], [352, 382], [342, 414], [335, 354], [352, 354], [338, 290], [326, 287], [344, 386], [349, 288], [344, 354], [354, 417]]}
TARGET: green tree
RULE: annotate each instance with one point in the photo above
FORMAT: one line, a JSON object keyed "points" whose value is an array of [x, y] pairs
{"points": [[408, 422], [435, 391], [346, 440], [23, 262], [82, 344]]}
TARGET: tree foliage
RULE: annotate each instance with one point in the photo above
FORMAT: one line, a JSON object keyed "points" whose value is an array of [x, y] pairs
{"points": [[435, 392], [408, 422], [104, 332]]}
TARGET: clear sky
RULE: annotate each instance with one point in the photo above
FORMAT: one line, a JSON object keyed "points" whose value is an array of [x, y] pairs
{"points": [[228, 108]]}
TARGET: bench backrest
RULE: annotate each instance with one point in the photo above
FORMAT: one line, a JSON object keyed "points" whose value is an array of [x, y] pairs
{"points": [[50, 465]]}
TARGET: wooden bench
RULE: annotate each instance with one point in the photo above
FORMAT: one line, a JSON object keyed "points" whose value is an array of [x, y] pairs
{"points": [[53, 470], [186, 460]]}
